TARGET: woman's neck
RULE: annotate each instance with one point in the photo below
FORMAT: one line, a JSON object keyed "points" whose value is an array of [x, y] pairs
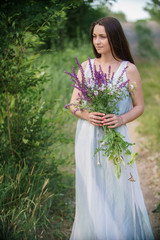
{"points": [[105, 59], [108, 60]]}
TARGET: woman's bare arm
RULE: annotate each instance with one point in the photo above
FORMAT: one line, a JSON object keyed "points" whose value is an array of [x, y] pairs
{"points": [[136, 93], [114, 121], [74, 98]]}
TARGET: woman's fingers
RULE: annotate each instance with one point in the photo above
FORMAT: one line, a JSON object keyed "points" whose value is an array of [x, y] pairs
{"points": [[95, 123], [95, 118], [109, 115], [98, 114], [100, 119], [112, 121]]}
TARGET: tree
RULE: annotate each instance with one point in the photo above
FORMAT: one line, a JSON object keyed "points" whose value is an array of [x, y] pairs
{"points": [[79, 19], [145, 40], [153, 8]]}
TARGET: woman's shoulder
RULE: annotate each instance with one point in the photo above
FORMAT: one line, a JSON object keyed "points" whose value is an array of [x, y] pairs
{"points": [[85, 63], [131, 68], [132, 72]]}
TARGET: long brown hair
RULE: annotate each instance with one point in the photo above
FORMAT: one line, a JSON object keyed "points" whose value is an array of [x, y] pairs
{"points": [[116, 38]]}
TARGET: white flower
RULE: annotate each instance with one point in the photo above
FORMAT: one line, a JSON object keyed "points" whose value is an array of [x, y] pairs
{"points": [[90, 83], [95, 93], [40, 74], [131, 86], [102, 88]]}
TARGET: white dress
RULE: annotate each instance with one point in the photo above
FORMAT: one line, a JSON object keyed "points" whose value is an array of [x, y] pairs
{"points": [[107, 208]]}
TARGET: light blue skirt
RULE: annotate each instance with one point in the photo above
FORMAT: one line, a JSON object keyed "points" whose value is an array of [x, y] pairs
{"points": [[107, 208]]}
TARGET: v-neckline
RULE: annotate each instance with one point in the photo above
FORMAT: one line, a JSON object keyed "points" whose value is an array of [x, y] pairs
{"points": [[111, 72]]}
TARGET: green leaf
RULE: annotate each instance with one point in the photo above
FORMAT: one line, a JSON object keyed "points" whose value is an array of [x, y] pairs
{"points": [[25, 140]]}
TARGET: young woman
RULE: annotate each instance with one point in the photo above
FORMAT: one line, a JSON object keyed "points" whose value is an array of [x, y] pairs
{"points": [[108, 208]]}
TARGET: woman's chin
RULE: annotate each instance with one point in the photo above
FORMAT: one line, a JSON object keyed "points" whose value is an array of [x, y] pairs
{"points": [[99, 51]]}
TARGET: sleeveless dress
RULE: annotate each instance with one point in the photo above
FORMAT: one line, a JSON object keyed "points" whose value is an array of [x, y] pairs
{"points": [[107, 208]]}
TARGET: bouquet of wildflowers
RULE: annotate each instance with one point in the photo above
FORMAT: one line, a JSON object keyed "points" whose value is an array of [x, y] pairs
{"points": [[101, 94]]}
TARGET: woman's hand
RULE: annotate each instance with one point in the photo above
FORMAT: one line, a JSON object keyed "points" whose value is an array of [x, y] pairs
{"points": [[95, 118], [112, 121]]}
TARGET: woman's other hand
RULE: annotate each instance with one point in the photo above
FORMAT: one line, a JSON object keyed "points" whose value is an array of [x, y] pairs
{"points": [[112, 121]]}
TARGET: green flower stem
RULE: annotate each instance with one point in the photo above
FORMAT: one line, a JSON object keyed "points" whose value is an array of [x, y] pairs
{"points": [[114, 146]]}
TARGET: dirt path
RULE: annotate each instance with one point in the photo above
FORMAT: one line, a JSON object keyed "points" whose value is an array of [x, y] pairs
{"points": [[149, 174]]}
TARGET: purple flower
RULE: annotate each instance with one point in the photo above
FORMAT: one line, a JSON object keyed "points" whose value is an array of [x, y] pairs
{"points": [[77, 109], [90, 66], [123, 84], [99, 81], [66, 106]]}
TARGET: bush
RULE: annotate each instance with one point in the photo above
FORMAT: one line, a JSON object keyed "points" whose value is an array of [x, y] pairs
{"points": [[145, 41], [31, 184]]}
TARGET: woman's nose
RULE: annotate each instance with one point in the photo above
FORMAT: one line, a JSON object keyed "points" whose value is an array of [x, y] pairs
{"points": [[98, 40]]}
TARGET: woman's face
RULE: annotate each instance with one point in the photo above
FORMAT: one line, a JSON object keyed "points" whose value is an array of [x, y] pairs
{"points": [[100, 40]]}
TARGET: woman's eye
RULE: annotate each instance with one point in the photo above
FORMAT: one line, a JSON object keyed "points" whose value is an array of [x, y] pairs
{"points": [[100, 36]]}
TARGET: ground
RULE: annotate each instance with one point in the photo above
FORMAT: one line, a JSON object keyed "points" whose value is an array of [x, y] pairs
{"points": [[149, 174]]}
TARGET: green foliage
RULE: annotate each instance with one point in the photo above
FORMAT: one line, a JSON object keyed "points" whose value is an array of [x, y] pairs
{"points": [[31, 184], [43, 18], [106, 11], [145, 41], [25, 199], [34, 136], [26, 160], [150, 120], [54, 21], [57, 93], [153, 7], [79, 27], [59, 89], [116, 148]]}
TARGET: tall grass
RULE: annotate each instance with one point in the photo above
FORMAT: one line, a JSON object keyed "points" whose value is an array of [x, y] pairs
{"points": [[58, 93], [25, 200], [150, 120], [37, 196]]}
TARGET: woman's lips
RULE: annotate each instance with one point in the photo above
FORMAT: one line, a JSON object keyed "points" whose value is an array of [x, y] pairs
{"points": [[99, 47]]}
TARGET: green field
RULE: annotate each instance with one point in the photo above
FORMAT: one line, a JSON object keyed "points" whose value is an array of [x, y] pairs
{"points": [[150, 120]]}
